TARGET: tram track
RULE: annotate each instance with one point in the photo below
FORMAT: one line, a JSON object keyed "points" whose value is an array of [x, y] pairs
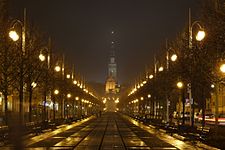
{"points": [[91, 131], [100, 146], [110, 131], [120, 134]]}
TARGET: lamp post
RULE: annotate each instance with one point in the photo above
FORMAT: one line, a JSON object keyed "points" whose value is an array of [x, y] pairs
{"points": [[76, 110], [199, 37], [180, 86], [201, 33], [60, 68], [15, 37], [56, 92], [44, 56], [154, 103], [173, 58], [67, 105]]}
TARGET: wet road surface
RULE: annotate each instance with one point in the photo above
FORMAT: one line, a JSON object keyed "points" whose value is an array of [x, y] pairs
{"points": [[110, 131]]}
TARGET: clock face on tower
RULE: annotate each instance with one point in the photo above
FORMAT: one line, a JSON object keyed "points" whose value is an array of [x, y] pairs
{"points": [[112, 60], [112, 70], [111, 80]]}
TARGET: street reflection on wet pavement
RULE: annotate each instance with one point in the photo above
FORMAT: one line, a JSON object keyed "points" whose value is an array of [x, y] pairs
{"points": [[110, 131]]}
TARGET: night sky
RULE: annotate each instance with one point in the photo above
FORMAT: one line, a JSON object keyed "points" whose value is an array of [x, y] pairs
{"points": [[81, 30]]}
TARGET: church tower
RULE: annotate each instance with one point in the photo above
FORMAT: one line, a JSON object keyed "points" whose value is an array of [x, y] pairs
{"points": [[111, 81], [111, 86], [112, 67]]}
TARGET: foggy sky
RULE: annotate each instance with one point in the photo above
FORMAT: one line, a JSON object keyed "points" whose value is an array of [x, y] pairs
{"points": [[81, 30]]}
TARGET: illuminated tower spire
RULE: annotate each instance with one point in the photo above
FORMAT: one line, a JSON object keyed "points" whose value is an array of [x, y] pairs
{"points": [[111, 81], [111, 86], [112, 66]]}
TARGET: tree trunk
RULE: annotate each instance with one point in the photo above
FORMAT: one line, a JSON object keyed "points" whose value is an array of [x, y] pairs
{"points": [[30, 102], [203, 108], [53, 96], [183, 110], [21, 93], [5, 94], [45, 101], [5, 86]]}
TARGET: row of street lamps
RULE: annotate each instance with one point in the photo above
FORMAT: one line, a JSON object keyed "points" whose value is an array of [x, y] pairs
{"points": [[44, 56], [199, 37]]}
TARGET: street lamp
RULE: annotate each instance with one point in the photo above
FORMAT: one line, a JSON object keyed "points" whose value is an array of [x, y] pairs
{"points": [[161, 69], [66, 107], [222, 68], [69, 95], [117, 101], [57, 68], [151, 76], [75, 82], [56, 92], [33, 84], [15, 37], [44, 52], [60, 68], [42, 57], [68, 76], [171, 52], [180, 86], [199, 37], [173, 57], [200, 34]]}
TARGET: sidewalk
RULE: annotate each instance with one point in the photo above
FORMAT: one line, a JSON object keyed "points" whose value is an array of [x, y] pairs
{"points": [[179, 143]]}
